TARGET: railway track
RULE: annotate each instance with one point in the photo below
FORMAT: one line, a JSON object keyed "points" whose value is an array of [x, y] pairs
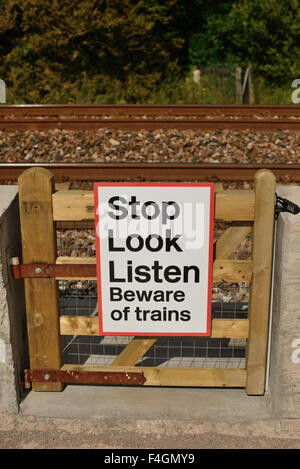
{"points": [[154, 172], [135, 117], [149, 124], [137, 109]]}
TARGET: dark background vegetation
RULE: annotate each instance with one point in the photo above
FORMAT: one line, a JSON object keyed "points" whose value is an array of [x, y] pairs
{"points": [[144, 51]]}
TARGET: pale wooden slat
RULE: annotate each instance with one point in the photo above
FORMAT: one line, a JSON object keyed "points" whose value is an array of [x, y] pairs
{"points": [[259, 303], [73, 205], [219, 186], [79, 325], [39, 246], [201, 377], [230, 328], [76, 260], [134, 351], [223, 270], [88, 325], [231, 239], [76, 205], [234, 206]]}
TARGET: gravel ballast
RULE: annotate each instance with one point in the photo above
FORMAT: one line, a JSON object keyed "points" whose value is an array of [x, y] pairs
{"points": [[158, 146]]}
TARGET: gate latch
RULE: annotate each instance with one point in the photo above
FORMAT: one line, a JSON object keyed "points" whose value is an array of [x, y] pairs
{"points": [[285, 205]]}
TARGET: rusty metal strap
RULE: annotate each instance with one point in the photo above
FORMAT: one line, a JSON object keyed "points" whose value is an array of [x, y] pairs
{"points": [[54, 270], [83, 377]]}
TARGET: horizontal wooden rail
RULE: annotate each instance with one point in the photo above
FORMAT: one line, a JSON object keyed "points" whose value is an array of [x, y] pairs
{"points": [[77, 205], [223, 269], [230, 328], [89, 325], [202, 377]]}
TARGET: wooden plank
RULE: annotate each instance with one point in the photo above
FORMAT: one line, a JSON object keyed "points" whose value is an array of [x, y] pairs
{"points": [[219, 186], [234, 206], [79, 325], [200, 377], [232, 271], [259, 303], [231, 239], [89, 325], [230, 328], [223, 270], [39, 246], [78, 205], [134, 351], [73, 205], [76, 260]]}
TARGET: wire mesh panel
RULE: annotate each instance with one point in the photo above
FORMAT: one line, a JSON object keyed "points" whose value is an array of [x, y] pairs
{"points": [[79, 298]]}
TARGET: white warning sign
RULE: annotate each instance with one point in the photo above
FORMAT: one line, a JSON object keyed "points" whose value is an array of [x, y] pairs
{"points": [[154, 245]]}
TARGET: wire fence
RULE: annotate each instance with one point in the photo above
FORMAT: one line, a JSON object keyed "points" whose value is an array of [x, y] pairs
{"points": [[79, 298], [218, 82]]}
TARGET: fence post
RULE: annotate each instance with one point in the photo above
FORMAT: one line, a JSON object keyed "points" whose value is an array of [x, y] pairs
{"points": [[238, 85], [250, 87], [259, 302], [2, 91], [41, 294], [197, 76]]}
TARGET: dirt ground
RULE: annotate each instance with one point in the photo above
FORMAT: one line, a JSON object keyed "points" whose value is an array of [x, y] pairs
{"points": [[28, 432]]}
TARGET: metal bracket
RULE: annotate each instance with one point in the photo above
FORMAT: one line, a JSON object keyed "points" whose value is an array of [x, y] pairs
{"points": [[83, 377], [285, 205], [54, 270]]}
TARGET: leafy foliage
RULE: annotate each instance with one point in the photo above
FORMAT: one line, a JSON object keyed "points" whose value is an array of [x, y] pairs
{"points": [[127, 51], [262, 32]]}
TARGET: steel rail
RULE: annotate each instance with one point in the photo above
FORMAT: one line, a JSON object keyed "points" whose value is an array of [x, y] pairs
{"points": [[136, 117], [153, 172], [149, 109], [150, 124]]}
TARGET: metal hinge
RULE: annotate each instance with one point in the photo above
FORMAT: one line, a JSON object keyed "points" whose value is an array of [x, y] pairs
{"points": [[285, 205], [83, 377], [53, 270]]}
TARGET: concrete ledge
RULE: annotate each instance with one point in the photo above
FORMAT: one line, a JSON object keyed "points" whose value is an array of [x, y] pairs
{"points": [[111, 402]]}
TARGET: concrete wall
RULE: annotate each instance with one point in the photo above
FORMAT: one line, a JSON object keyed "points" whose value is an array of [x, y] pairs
{"points": [[13, 334], [284, 385]]}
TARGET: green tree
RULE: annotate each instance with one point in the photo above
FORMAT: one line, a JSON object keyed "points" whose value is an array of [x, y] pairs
{"points": [[126, 51], [109, 46], [263, 32]]}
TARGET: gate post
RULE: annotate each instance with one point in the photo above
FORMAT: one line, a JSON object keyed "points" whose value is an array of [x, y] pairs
{"points": [[259, 302], [41, 294]]}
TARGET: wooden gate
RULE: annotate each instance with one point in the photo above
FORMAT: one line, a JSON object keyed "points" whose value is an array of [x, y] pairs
{"points": [[41, 207]]}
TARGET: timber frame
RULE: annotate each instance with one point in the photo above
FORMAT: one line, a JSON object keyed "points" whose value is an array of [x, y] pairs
{"points": [[250, 211]]}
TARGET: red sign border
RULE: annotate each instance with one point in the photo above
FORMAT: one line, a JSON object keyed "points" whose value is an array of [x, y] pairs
{"points": [[210, 265]]}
